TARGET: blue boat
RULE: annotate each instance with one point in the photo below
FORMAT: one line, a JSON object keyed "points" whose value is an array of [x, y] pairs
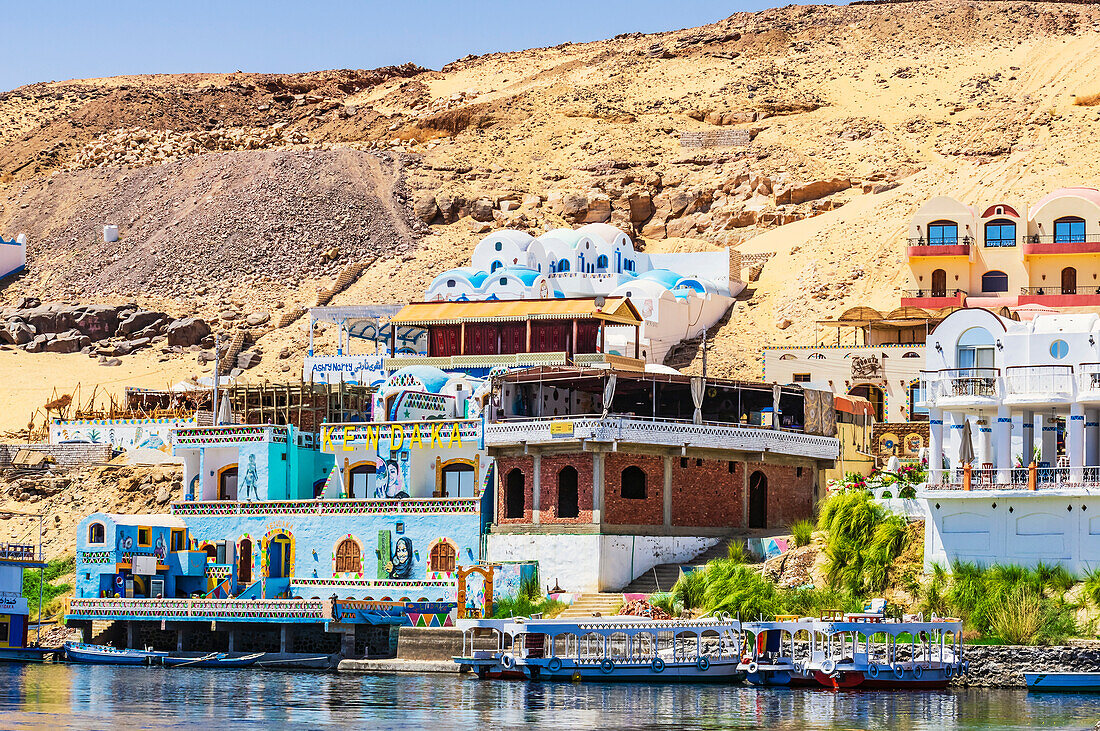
{"points": [[103, 655], [27, 654], [1063, 682], [213, 660]]}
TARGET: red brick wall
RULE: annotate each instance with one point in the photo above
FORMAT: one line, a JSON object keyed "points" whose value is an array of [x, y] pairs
{"points": [[790, 496], [706, 493], [620, 511], [551, 465], [504, 466]]}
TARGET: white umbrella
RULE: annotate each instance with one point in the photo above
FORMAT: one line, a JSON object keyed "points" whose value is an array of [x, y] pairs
{"points": [[225, 414], [893, 464]]}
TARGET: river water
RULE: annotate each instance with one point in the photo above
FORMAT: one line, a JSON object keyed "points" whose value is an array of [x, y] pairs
{"points": [[122, 698]]}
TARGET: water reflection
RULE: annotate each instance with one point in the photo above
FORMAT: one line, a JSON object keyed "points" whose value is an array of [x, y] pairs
{"points": [[97, 697]]}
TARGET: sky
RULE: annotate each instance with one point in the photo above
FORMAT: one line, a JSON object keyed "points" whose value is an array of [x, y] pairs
{"points": [[50, 40]]}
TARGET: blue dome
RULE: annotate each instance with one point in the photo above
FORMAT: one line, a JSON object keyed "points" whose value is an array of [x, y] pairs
{"points": [[474, 276], [524, 274], [432, 378], [666, 277]]}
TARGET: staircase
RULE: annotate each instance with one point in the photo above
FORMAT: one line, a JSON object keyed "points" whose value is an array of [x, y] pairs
{"points": [[663, 576], [102, 632], [586, 605]]}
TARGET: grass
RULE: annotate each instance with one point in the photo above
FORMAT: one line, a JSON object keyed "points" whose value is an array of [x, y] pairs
{"points": [[51, 592], [689, 589], [803, 532], [863, 541], [529, 600], [1019, 620]]}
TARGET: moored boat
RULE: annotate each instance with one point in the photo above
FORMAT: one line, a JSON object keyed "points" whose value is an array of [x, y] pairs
{"points": [[213, 660], [1062, 682], [28, 654], [777, 653], [79, 652]]}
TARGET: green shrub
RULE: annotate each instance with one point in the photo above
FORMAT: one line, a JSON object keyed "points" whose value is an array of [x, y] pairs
{"points": [[736, 552], [688, 589], [863, 540], [1018, 620], [1092, 586], [814, 602], [665, 601], [803, 532], [1055, 578], [737, 589], [32, 580]]}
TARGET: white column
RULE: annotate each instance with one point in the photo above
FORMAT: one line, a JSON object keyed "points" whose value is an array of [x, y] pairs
{"points": [[1075, 442], [935, 445], [953, 422], [1092, 439], [597, 487], [1050, 440], [983, 450], [1002, 438]]}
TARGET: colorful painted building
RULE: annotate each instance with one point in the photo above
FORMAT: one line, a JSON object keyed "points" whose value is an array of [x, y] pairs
{"points": [[14, 611]]}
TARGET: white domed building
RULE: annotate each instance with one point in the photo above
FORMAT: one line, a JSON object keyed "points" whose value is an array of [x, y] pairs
{"points": [[678, 295]]}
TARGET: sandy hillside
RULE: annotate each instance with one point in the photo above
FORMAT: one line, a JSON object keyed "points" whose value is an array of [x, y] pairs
{"points": [[839, 123]]}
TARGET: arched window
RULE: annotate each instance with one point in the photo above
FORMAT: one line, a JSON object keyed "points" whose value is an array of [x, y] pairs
{"points": [[450, 282], [458, 480], [975, 349], [568, 503], [994, 281], [758, 500], [496, 265], [916, 395], [939, 283], [227, 483], [498, 246], [358, 479], [563, 265], [442, 557], [1001, 232], [628, 265], [348, 557], [943, 233], [514, 495], [911, 354], [632, 485], [1069, 230], [601, 261], [816, 356], [95, 533]]}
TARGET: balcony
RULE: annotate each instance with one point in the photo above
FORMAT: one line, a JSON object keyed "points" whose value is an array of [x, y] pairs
{"points": [[1060, 296], [663, 432], [1048, 245], [1088, 382], [1045, 384], [222, 610], [933, 299], [399, 506], [1016, 479], [21, 553], [962, 387], [919, 248]]}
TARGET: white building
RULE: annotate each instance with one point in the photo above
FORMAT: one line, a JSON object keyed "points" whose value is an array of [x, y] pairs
{"points": [[1025, 396], [678, 295]]}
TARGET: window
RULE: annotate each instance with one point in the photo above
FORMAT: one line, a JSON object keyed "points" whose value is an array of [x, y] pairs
{"points": [[95, 533], [563, 265], [358, 478], [496, 265], [939, 283], [916, 395], [227, 483], [1069, 230], [178, 540], [1000, 233], [450, 283], [1059, 349], [943, 233], [348, 557], [816, 356], [632, 485], [601, 261], [994, 281], [801, 377], [911, 354], [568, 501], [514, 495], [145, 537], [629, 265], [504, 280], [498, 246], [442, 557], [458, 480], [975, 349]]}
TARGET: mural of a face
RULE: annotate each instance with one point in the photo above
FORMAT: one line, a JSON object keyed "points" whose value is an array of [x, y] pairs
{"points": [[401, 563]]}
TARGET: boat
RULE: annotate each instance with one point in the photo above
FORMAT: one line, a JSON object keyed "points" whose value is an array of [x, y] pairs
{"points": [[213, 660], [1063, 682], [611, 649], [779, 652], [483, 646], [874, 652], [311, 662], [28, 654], [79, 652]]}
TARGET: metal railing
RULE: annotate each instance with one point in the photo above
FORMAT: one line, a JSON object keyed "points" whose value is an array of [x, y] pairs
{"points": [[18, 552], [933, 293], [1048, 379], [1016, 478], [224, 609], [999, 243], [955, 241], [955, 382], [1086, 238], [1088, 376], [1041, 291]]}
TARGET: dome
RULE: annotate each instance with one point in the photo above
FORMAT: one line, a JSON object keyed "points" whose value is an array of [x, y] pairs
{"points": [[1092, 195], [666, 277], [430, 377], [524, 274], [607, 233], [474, 276]]}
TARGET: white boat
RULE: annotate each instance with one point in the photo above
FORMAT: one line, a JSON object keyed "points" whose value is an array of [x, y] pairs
{"points": [[623, 648], [778, 652]]}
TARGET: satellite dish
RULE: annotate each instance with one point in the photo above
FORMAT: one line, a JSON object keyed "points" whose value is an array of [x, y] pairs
{"points": [[600, 301]]}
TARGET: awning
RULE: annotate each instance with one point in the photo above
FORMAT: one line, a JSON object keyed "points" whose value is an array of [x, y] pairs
{"points": [[614, 310]]}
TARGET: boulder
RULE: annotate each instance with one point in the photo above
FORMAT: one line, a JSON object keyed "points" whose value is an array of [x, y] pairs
{"points": [[247, 359], [482, 210], [599, 209], [17, 332], [187, 331], [257, 318], [641, 207], [425, 207], [37, 345], [97, 321], [802, 192], [141, 320], [68, 342], [449, 206]]}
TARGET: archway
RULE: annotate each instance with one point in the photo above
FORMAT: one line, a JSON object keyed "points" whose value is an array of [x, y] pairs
{"points": [[227, 483], [875, 395], [568, 501], [758, 500], [514, 495], [244, 562], [280, 555]]}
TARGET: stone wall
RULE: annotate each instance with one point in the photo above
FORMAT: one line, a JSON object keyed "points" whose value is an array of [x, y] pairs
{"points": [[65, 455], [632, 511], [790, 492], [549, 469], [1003, 666]]}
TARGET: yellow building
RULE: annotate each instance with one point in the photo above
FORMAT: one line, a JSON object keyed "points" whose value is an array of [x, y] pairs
{"points": [[990, 256]]}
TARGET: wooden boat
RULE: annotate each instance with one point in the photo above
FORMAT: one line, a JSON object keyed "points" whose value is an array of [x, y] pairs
{"points": [[1063, 682], [779, 653], [610, 649], [102, 655], [28, 654], [317, 662], [213, 660]]}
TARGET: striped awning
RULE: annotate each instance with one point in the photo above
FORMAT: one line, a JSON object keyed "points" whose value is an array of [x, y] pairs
{"points": [[614, 310]]}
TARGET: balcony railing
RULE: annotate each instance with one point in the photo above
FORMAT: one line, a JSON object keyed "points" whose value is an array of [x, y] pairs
{"points": [[408, 506], [1016, 478], [18, 552], [963, 382], [242, 610], [1086, 238], [665, 432], [1049, 291], [954, 241], [1043, 379], [933, 293], [1088, 376], [999, 243]]}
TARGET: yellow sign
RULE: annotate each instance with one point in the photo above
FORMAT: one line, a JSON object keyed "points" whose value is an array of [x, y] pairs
{"points": [[430, 434], [561, 429]]}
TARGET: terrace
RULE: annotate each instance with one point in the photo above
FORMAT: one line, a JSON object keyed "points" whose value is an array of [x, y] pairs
{"points": [[946, 246], [201, 610]]}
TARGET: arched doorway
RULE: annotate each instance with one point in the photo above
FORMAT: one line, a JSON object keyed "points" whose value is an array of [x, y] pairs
{"points": [[758, 500], [280, 555], [568, 502], [227, 483], [939, 283], [1069, 281], [513, 495], [873, 394], [244, 562]]}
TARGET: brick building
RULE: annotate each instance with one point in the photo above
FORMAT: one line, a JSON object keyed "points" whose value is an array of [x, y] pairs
{"points": [[600, 495]]}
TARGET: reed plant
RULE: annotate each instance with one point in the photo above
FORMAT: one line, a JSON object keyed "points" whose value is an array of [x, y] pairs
{"points": [[803, 532], [689, 588], [1018, 620], [1092, 586], [739, 590]]}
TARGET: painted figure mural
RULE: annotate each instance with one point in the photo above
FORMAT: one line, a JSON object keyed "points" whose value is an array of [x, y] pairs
{"points": [[251, 492], [401, 563], [390, 480]]}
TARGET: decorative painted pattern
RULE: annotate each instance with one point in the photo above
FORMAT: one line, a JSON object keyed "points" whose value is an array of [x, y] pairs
{"points": [[226, 609], [373, 583], [406, 506], [229, 435], [218, 572], [97, 557]]}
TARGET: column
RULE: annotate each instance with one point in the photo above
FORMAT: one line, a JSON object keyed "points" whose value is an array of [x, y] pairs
{"points": [[1092, 443], [1002, 439], [1027, 442], [1049, 440], [129, 635], [935, 446], [536, 488], [232, 640], [179, 640], [953, 422], [1075, 442], [597, 487], [983, 448], [667, 495]]}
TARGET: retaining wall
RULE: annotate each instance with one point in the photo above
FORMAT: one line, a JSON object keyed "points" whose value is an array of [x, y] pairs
{"points": [[1003, 666], [65, 455]]}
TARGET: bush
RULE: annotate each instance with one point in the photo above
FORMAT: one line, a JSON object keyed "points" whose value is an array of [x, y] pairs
{"points": [[688, 589], [1019, 619], [735, 588], [863, 540], [665, 601], [32, 580], [736, 552], [814, 602], [803, 532], [528, 600], [1056, 579], [1092, 586]]}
